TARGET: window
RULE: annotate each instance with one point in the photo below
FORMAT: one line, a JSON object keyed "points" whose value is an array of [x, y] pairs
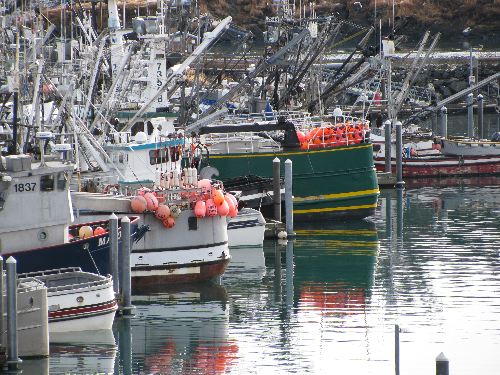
{"points": [[158, 156], [47, 182], [62, 181], [192, 223]]}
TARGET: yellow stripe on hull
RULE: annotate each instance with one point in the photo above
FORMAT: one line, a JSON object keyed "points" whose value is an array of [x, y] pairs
{"points": [[330, 232], [331, 209], [337, 195]]}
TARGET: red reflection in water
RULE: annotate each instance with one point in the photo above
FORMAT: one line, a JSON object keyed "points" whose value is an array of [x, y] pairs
{"points": [[160, 363], [207, 359], [334, 298]]}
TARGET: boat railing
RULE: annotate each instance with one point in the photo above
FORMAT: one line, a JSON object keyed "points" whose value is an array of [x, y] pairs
{"points": [[230, 139], [33, 277], [54, 271], [341, 133], [272, 116]]}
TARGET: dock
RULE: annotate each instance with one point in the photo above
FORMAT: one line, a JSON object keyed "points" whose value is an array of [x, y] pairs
{"points": [[273, 227], [386, 179]]}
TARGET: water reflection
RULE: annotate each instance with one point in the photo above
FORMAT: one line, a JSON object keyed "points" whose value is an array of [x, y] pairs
{"points": [[335, 267], [87, 352], [315, 287], [441, 280], [182, 332], [328, 301]]}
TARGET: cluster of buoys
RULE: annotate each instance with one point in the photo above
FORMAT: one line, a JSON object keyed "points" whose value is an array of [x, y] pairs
{"points": [[86, 231], [205, 200], [146, 200], [332, 136], [213, 201]]}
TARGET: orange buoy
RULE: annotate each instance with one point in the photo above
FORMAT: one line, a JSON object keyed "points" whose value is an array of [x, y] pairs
{"points": [[169, 222], [99, 230], [152, 201], [211, 208], [139, 204], [205, 185], [223, 209], [229, 201], [200, 209], [142, 191], [301, 136], [162, 212], [85, 231], [233, 198], [217, 196], [233, 208], [350, 133]]}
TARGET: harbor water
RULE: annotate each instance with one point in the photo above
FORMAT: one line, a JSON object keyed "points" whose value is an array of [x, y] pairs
{"points": [[327, 302]]}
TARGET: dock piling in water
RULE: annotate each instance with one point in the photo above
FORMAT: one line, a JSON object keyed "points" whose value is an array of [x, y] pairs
{"points": [[277, 189], [444, 122], [387, 146], [480, 116], [13, 360], [396, 348], [470, 115], [289, 198], [399, 154], [125, 277], [113, 248], [442, 365]]}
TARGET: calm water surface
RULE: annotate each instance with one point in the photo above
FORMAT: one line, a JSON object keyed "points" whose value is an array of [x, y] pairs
{"points": [[328, 303]]}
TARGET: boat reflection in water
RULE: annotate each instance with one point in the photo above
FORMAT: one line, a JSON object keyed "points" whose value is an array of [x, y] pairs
{"points": [[183, 331], [334, 267], [247, 264], [85, 352]]}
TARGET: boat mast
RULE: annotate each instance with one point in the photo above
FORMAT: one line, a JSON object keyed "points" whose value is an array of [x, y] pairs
{"points": [[15, 89]]}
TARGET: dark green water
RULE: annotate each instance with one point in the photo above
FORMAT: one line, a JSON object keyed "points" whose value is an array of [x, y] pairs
{"points": [[326, 304]]}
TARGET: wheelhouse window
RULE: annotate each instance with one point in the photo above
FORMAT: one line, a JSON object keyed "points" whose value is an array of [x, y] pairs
{"points": [[158, 156], [47, 182], [62, 181]]}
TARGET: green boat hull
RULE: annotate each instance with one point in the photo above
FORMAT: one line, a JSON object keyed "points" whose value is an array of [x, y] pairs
{"points": [[335, 182]]}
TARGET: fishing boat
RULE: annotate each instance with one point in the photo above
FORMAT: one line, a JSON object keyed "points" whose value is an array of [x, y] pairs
{"points": [[77, 300], [442, 157], [246, 229], [444, 166], [155, 180], [333, 170], [461, 146], [36, 216]]}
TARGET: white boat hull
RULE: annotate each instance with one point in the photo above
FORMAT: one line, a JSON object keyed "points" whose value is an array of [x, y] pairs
{"points": [[77, 301], [193, 250], [247, 229], [469, 147], [84, 322]]}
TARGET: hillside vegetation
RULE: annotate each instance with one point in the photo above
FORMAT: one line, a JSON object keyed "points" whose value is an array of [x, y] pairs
{"points": [[445, 14]]}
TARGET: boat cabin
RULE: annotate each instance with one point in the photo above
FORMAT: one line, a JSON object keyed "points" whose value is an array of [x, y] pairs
{"points": [[35, 204]]}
